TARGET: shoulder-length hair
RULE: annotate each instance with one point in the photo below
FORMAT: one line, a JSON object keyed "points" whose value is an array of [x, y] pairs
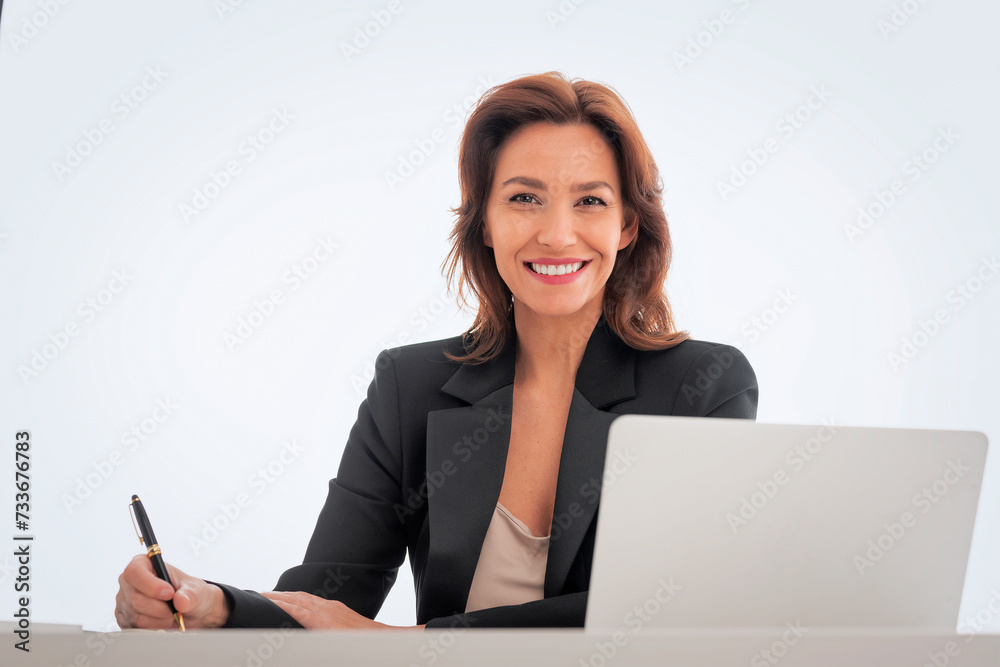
{"points": [[635, 301]]}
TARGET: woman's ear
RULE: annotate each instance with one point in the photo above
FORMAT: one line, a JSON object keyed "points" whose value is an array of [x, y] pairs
{"points": [[630, 227], [487, 238]]}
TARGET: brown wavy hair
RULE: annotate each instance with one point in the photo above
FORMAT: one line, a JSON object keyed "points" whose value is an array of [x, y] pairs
{"points": [[635, 301]]}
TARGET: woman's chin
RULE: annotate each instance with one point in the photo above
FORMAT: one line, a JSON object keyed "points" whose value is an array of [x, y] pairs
{"points": [[561, 308]]}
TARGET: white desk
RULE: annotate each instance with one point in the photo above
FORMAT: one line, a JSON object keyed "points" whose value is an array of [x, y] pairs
{"points": [[53, 647]]}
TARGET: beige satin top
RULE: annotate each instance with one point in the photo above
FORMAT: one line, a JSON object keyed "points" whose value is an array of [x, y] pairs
{"points": [[511, 567]]}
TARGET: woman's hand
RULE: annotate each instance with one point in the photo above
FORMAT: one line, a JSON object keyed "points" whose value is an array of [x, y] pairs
{"points": [[142, 599], [314, 612]]}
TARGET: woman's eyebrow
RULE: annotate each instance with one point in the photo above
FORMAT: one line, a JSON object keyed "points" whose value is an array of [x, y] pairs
{"points": [[592, 185], [525, 180], [535, 183]]}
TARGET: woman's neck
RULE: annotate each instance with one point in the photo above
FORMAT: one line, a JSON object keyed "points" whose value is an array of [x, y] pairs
{"points": [[550, 348]]}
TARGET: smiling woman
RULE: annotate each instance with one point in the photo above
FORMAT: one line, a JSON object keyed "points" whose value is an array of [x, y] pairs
{"points": [[469, 450]]}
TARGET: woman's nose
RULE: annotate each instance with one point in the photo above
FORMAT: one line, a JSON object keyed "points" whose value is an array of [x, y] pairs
{"points": [[558, 228]]}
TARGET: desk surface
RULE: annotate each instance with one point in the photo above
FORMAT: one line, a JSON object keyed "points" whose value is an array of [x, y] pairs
{"points": [[56, 647]]}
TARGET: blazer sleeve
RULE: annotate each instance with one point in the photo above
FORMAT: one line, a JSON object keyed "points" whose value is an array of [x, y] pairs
{"points": [[359, 542], [719, 382]]}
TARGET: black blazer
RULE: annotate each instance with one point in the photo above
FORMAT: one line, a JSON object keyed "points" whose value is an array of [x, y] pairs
{"points": [[423, 465]]}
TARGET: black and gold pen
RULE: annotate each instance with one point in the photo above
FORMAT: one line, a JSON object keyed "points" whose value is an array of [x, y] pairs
{"points": [[153, 551]]}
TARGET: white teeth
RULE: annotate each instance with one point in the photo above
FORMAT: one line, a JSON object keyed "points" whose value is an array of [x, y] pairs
{"points": [[556, 269]]}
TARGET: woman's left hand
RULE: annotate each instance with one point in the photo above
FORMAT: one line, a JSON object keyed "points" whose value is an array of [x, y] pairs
{"points": [[314, 612]]}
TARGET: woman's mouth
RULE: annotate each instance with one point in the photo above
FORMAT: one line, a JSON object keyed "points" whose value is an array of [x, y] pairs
{"points": [[555, 273], [555, 269]]}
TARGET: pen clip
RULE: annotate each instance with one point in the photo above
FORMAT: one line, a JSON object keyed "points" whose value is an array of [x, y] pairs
{"points": [[131, 514]]}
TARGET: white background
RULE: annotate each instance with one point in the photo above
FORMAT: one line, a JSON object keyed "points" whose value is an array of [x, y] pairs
{"points": [[352, 117]]}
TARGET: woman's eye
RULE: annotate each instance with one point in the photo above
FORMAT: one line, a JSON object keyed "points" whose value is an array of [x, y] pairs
{"points": [[522, 198], [592, 201]]}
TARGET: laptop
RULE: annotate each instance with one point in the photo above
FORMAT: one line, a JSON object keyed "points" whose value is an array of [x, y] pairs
{"points": [[726, 523]]}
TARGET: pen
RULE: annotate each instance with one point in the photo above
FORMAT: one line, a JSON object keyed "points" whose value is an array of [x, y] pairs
{"points": [[153, 550]]}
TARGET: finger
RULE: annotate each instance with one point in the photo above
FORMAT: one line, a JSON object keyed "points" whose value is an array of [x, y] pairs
{"points": [[300, 614], [123, 622], [139, 576], [147, 606], [184, 601], [285, 596], [296, 597], [191, 597], [192, 594], [302, 601], [177, 576], [153, 622], [133, 601], [141, 612], [123, 612], [129, 591], [138, 610]]}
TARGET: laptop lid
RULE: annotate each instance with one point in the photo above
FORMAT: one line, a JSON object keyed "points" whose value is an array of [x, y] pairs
{"points": [[731, 523]]}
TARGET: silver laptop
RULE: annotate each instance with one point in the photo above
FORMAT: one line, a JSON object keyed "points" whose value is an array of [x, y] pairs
{"points": [[725, 523]]}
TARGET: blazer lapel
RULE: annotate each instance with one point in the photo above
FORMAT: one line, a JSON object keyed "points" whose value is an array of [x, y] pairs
{"points": [[467, 454], [605, 377], [467, 451]]}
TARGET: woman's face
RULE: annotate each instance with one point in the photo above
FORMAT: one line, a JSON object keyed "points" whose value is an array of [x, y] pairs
{"points": [[555, 218]]}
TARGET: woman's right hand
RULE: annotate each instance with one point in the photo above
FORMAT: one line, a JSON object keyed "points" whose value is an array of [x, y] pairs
{"points": [[142, 599]]}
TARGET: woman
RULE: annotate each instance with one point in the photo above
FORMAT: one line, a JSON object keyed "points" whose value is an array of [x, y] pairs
{"points": [[481, 455]]}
